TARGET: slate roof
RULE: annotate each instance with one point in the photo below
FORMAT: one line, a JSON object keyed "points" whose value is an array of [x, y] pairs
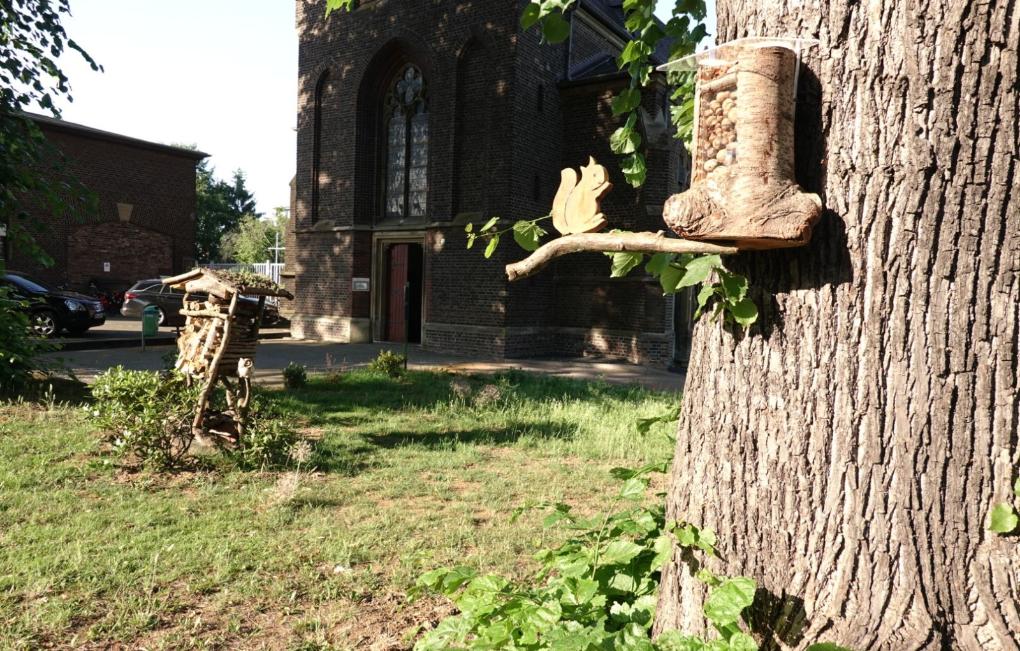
{"points": [[610, 12]]}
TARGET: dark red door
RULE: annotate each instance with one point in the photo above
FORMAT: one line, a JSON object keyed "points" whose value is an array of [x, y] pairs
{"points": [[397, 278]]}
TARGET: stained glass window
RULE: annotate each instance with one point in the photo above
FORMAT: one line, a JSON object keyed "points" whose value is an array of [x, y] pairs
{"points": [[407, 146]]}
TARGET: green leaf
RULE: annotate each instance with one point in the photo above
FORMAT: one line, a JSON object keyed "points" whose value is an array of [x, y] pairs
{"points": [[619, 552], [741, 642], [663, 551], [489, 225], [469, 227], [1003, 519], [698, 270], [669, 278], [658, 263], [626, 101], [528, 235], [634, 488], [625, 141], [555, 28], [455, 578], [491, 246], [725, 603], [579, 591], [634, 169], [1016, 487], [677, 641], [734, 286], [531, 15], [624, 262], [745, 312]]}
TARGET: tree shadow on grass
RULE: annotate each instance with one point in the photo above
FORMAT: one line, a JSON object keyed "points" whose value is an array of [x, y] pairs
{"points": [[548, 430]]}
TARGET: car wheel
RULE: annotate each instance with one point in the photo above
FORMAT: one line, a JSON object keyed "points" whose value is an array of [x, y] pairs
{"points": [[44, 323], [160, 316]]}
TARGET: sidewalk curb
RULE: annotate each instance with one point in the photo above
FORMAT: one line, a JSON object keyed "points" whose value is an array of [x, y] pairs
{"points": [[129, 342]]}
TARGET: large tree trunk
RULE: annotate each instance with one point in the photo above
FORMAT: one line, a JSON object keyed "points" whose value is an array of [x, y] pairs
{"points": [[848, 449]]}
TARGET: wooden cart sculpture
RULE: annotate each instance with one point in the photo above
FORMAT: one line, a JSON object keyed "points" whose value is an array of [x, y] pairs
{"points": [[218, 343]]}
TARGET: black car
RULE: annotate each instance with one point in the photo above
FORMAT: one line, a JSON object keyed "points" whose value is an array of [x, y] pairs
{"points": [[169, 301], [51, 310]]}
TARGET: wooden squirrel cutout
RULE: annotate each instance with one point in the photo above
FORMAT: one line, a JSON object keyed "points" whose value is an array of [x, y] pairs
{"points": [[576, 208]]}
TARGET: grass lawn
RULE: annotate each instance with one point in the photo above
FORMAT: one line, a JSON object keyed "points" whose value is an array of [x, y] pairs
{"points": [[407, 476]]}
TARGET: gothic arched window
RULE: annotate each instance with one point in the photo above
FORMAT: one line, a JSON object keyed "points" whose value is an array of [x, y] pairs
{"points": [[406, 121]]}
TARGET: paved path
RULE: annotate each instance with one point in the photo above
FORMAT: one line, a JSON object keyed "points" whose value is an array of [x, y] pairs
{"points": [[274, 355]]}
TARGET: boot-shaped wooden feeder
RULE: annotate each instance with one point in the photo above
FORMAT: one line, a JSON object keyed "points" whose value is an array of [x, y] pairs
{"points": [[743, 189]]}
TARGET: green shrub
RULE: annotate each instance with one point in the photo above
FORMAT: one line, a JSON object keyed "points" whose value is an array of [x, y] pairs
{"points": [[19, 349], [146, 414], [267, 441], [295, 376], [389, 363], [597, 590]]}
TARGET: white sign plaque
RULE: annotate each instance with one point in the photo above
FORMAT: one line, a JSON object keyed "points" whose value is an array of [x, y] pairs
{"points": [[106, 267], [360, 284]]}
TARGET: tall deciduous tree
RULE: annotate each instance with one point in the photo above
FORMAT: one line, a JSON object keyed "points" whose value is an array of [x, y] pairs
{"points": [[849, 448], [222, 205]]}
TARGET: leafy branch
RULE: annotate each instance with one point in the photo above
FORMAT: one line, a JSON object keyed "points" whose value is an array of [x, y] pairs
{"points": [[527, 233]]}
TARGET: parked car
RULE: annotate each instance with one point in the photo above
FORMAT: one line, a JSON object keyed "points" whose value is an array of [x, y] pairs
{"points": [[169, 301], [51, 310]]}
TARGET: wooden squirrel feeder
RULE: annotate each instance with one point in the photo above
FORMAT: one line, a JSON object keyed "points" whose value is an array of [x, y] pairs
{"points": [[743, 189], [218, 343]]}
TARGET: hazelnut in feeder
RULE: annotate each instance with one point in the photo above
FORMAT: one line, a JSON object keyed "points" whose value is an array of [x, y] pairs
{"points": [[742, 184]]}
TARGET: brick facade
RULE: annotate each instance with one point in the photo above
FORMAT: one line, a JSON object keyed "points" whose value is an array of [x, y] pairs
{"points": [[505, 114], [143, 224]]}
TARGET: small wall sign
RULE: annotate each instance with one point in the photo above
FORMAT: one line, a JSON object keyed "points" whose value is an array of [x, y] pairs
{"points": [[106, 267], [360, 284]]}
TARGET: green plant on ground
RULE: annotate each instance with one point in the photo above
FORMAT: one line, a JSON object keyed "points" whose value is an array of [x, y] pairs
{"points": [[596, 590], [268, 440], [390, 363], [145, 414], [295, 376]]}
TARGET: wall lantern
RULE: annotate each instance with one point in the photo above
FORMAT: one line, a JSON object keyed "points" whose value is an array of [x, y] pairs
{"points": [[743, 189]]}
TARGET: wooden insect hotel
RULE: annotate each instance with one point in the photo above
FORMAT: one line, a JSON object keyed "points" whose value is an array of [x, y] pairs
{"points": [[224, 312], [742, 183]]}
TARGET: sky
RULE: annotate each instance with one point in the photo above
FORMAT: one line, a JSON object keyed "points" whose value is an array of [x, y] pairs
{"points": [[218, 74]]}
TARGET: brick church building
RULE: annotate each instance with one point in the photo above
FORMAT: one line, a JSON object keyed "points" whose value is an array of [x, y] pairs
{"points": [[416, 118]]}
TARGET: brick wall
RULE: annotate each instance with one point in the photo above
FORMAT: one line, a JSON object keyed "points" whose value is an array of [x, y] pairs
{"points": [[144, 222]]}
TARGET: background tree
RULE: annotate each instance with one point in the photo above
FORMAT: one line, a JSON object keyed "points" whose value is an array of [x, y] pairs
{"points": [[252, 239], [221, 206]]}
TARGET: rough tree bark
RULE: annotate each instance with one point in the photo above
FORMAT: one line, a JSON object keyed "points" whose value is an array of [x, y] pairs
{"points": [[849, 448]]}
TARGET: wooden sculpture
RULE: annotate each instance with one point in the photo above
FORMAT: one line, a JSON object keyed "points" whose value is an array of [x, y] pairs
{"points": [[576, 207], [742, 186], [218, 344]]}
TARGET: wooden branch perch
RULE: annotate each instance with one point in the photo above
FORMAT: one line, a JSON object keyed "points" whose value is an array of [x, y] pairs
{"points": [[609, 242]]}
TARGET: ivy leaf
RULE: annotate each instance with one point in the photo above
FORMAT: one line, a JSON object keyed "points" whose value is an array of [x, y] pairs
{"points": [[555, 28], [725, 603], [1003, 519], [745, 312], [620, 552], [624, 262], [663, 551], [740, 641], [491, 247], [626, 101]]}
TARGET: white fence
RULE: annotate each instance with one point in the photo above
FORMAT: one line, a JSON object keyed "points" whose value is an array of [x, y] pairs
{"points": [[270, 270]]}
